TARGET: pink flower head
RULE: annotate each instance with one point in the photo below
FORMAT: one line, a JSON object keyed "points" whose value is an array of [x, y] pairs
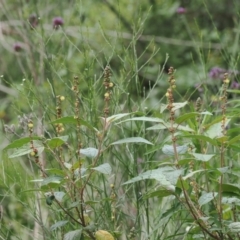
{"points": [[181, 10], [217, 73], [17, 47], [235, 85], [57, 21]]}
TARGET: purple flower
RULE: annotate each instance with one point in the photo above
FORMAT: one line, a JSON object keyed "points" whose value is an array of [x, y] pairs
{"points": [[181, 10], [57, 21], [217, 72], [235, 85], [17, 47]]}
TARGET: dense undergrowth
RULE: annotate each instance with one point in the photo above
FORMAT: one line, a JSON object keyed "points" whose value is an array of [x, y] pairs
{"points": [[103, 139]]}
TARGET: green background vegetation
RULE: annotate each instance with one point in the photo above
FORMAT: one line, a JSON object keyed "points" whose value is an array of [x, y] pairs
{"points": [[139, 40]]}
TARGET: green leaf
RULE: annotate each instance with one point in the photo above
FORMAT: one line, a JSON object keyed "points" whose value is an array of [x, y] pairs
{"points": [[186, 116], [153, 174], [73, 235], [233, 140], [203, 138], [55, 171], [162, 126], [20, 142], [231, 200], [73, 120], [158, 193], [234, 227], [166, 176], [104, 168], [207, 197], [159, 126], [215, 130], [192, 173], [58, 225], [169, 150], [179, 105], [51, 182], [203, 157], [231, 188], [144, 119], [26, 149], [116, 117], [132, 140], [56, 142], [59, 196], [89, 152]]}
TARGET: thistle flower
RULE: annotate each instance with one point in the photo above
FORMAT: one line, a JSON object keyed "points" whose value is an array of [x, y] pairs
{"points": [[181, 10], [57, 21], [17, 47], [217, 73], [33, 20], [235, 85]]}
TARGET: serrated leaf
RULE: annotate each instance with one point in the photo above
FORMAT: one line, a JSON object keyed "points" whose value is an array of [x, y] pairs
{"points": [[80, 172], [169, 150], [207, 197], [26, 149], [234, 227], [132, 140], [89, 152], [73, 235], [166, 176], [203, 157], [73, 120], [59, 196], [215, 130], [231, 200], [20, 142], [56, 142], [58, 225], [103, 168]]}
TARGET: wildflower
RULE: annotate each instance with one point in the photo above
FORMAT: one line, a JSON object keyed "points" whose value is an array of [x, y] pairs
{"points": [[217, 72], [57, 21], [33, 20], [235, 85], [181, 10], [17, 47]]}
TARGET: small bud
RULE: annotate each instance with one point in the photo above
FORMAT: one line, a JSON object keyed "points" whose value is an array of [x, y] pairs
{"points": [[62, 98], [112, 185], [110, 84], [32, 154], [106, 95], [30, 125]]}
